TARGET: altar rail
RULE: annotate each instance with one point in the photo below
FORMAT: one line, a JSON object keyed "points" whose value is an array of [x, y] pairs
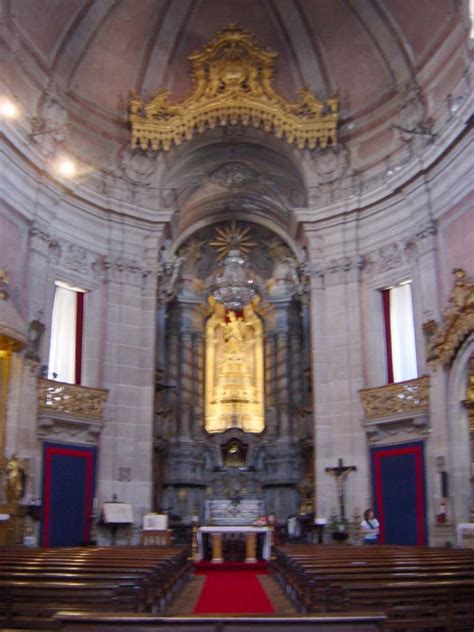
{"points": [[401, 398], [71, 399], [93, 622]]}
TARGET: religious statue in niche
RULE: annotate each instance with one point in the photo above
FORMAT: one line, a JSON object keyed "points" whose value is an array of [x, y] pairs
{"points": [[234, 369]]}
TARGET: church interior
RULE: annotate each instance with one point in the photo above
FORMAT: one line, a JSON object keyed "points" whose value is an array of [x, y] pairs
{"points": [[237, 311]]}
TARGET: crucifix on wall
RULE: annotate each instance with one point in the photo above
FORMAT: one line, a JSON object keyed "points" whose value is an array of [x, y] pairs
{"points": [[340, 473]]}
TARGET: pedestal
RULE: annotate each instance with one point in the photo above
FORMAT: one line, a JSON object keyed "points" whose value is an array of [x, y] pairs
{"points": [[11, 530], [217, 548]]}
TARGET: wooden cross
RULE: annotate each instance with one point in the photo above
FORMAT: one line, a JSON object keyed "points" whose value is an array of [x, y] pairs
{"points": [[340, 473]]}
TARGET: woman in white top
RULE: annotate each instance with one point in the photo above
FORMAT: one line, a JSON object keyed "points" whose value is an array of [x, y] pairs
{"points": [[370, 527]]}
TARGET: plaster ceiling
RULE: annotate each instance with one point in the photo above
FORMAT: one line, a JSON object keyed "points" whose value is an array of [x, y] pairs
{"points": [[98, 50]]}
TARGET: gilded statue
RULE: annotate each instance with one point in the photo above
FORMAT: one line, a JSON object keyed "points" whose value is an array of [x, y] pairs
{"points": [[234, 369], [15, 479]]}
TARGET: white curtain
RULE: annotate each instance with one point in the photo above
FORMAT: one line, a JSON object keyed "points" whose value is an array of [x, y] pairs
{"points": [[62, 349], [402, 333]]}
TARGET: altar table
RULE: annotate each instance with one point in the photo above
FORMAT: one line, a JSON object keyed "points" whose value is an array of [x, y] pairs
{"points": [[250, 542]]}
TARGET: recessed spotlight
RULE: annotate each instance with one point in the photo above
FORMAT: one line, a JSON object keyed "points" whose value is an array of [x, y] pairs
{"points": [[456, 104], [8, 109], [66, 168]]}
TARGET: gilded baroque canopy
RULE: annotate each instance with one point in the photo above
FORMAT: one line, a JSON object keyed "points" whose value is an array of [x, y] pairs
{"points": [[233, 79]]}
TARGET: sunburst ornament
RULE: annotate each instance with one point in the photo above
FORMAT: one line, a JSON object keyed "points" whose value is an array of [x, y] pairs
{"points": [[232, 237]]}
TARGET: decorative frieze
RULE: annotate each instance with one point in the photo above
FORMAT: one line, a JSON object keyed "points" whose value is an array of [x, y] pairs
{"points": [[76, 258], [69, 256], [234, 174], [392, 400]]}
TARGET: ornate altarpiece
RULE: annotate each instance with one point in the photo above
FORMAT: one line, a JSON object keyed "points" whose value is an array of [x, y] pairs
{"points": [[213, 440], [234, 370]]}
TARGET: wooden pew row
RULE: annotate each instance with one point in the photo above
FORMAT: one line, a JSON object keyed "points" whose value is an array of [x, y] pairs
{"points": [[434, 585], [308, 585], [156, 578], [34, 584], [93, 622]]}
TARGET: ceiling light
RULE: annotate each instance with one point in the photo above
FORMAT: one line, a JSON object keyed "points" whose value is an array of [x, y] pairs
{"points": [[8, 109], [66, 168], [456, 104]]}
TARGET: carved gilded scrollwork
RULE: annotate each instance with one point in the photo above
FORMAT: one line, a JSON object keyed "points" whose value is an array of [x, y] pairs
{"points": [[396, 399], [442, 341], [232, 86], [59, 397], [468, 403]]}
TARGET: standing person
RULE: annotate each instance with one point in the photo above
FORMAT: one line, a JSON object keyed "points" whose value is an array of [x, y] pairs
{"points": [[370, 527]]}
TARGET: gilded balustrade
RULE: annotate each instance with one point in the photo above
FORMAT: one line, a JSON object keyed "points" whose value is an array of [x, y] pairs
{"points": [[396, 399], [71, 399]]}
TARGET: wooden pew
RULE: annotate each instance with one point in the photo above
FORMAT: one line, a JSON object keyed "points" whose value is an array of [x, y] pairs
{"points": [[35, 583], [414, 585], [94, 622]]}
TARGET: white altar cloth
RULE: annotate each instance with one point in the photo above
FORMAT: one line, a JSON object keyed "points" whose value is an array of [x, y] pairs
{"points": [[244, 529]]}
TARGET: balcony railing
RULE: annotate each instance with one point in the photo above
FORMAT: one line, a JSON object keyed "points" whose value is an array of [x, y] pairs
{"points": [[71, 399], [396, 399]]}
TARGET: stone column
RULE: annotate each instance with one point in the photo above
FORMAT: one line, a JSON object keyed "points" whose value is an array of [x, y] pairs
{"points": [[186, 385], [296, 391], [337, 364], [282, 384], [198, 382], [173, 376]]}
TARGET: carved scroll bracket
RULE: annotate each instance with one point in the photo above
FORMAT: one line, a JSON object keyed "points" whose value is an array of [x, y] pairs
{"points": [[397, 429], [443, 340], [62, 427]]}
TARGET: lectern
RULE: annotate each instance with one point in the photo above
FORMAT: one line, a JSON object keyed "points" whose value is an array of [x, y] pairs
{"points": [[116, 515]]}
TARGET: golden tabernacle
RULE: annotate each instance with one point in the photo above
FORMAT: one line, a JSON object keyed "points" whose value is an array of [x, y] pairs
{"points": [[234, 369]]}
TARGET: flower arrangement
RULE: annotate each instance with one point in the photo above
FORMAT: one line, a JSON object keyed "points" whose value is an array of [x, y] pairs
{"points": [[264, 521], [339, 527]]}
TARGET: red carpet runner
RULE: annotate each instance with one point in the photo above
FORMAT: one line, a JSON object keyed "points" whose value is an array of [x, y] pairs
{"points": [[233, 592]]}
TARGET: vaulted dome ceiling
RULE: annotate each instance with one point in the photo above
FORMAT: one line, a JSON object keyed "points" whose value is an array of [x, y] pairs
{"points": [[370, 54]]}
